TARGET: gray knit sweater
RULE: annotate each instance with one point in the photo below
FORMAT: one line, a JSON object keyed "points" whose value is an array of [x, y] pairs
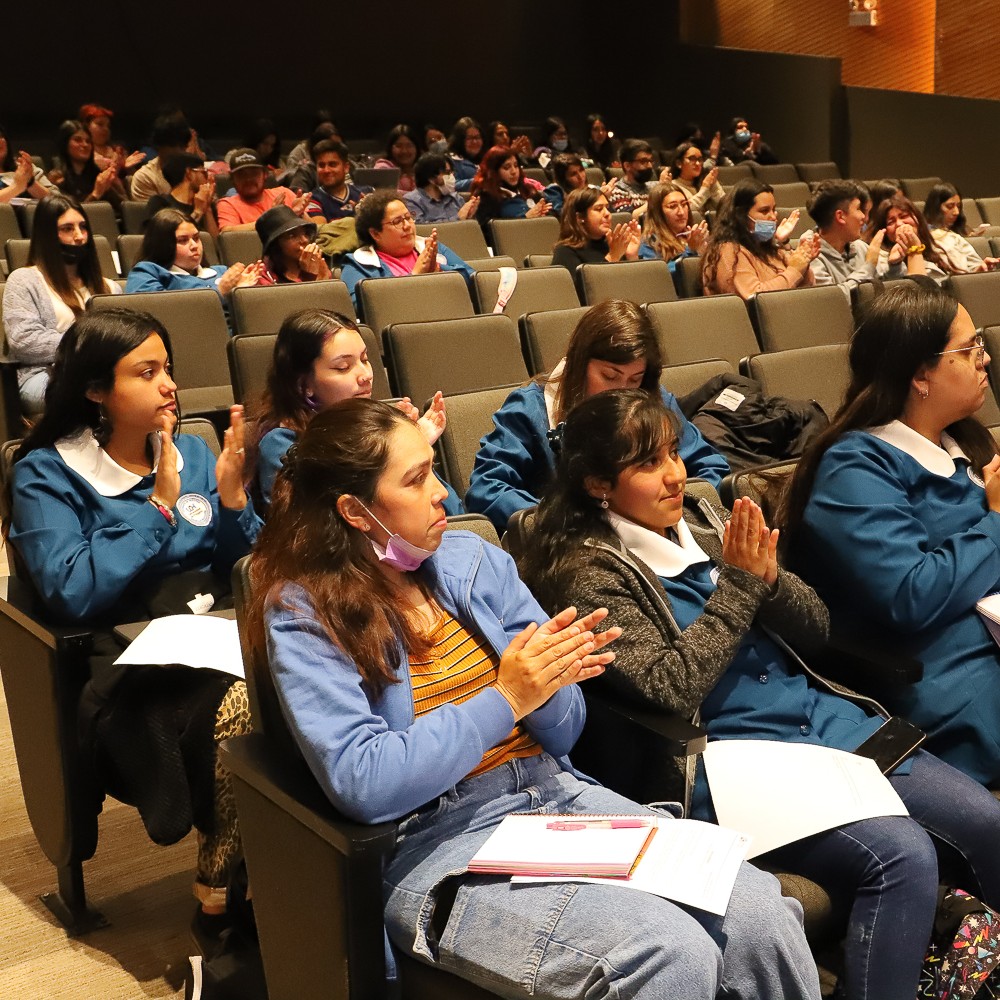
{"points": [[654, 659]]}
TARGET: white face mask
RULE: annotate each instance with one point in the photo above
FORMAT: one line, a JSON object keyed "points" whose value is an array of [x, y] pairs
{"points": [[448, 182]]}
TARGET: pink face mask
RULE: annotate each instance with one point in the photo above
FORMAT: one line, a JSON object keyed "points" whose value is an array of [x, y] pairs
{"points": [[398, 552]]}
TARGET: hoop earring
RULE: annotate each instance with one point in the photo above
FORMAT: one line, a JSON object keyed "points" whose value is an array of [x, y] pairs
{"points": [[604, 501]]}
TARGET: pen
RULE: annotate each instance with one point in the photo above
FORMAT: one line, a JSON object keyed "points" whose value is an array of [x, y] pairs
{"points": [[598, 824]]}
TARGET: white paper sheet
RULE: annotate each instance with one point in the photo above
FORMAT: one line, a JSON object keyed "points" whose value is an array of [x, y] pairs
{"points": [[201, 641], [687, 861], [781, 792]]}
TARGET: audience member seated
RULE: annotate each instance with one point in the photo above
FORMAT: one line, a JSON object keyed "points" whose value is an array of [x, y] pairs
{"points": [[702, 603], [289, 254], [838, 209], [19, 177], [586, 235], [191, 192], [744, 255], [434, 140], [118, 521], [893, 516], [390, 246], [320, 360], [367, 607], [301, 155], [262, 137], [613, 346], [80, 177], [555, 140], [42, 301], [466, 150], [497, 134], [944, 215], [878, 192], [97, 121], [503, 194], [333, 197], [704, 193], [710, 148], [401, 151], [667, 233], [909, 247], [171, 260], [252, 199], [568, 174], [434, 198], [601, 147], [741, 144], [304, 177], [171, 136], [632, 189]]}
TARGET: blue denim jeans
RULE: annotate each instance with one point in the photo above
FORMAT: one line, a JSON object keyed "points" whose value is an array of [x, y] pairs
{"points": [[890, 864], [578, 940]]}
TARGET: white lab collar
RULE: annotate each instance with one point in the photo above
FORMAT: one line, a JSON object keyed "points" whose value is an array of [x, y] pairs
{"points": [[202, 272], [937, 459], [88, 459], [551, 388], [662, 556], [369, 258]]}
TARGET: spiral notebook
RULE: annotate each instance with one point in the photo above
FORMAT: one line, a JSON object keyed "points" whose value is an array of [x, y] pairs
{"points": [[606, 846]]}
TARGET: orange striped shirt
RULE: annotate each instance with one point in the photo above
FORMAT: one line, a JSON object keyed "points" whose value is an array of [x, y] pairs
{"points": [[459, 666]]}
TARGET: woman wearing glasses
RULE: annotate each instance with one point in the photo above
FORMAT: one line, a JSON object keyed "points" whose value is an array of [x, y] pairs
{"points": [[704, 194], [390, 246], [893, 516]]}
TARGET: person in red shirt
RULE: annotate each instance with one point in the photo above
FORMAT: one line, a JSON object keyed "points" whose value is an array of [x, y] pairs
{"points": [[252, 199]]}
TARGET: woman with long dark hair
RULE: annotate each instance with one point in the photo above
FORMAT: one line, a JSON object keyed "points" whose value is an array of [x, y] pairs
{"points": [[171, 259], [894, 515], [319, 360], [909, 248], [448, 701], [613, 346], [465, 147], [744, 253], [402, 147], [500, 186], [946, 219], [706, 611], [41, 301], [601, 148], [80, 177], [586, 235], [118, 520]]}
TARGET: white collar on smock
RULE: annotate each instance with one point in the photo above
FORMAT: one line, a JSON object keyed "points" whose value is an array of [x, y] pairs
{"points": [[659, 553], [551, 388], [202, 272], [88, 459], [939, 459]]}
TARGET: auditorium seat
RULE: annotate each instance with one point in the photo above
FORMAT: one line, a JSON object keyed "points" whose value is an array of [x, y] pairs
{"points": [[980, 294], [698, 329], [453, 355], [796, 194], [776, 173], [414, 298], [802, 317], [538, 260], [728, 176], [821, 373], [262, 309], [101, 220], [135, 215], [470, 418], [682, 379], [538, 289], [813, 173], [240, 246], [518, 237], [687, 277], [918, 188], [465, 237], [377, 177], [637, 281], [545, 335]]}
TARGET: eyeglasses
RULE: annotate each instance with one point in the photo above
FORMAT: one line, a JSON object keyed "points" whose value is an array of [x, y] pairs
{"points": [[979, 346], [399, 222], [694, 159]]}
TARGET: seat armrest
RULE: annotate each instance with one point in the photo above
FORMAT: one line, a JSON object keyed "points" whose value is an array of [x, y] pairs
{"points": [[291, 786], [677, 736], [19, 603]]}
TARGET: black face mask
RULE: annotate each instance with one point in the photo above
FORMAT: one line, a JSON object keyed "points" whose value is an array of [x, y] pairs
{"points": [[643, 176], [71, 253]]}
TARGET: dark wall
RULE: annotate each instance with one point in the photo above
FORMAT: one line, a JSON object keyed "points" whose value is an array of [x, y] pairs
{"points": [[894, 133]]}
